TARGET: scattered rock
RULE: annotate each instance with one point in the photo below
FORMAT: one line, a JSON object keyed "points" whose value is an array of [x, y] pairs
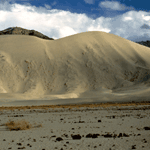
{"points": [[133, 147], [147, 128], [144, 141], [76, 136], [65, 135], [107, 135], [59, 139], [92, 135], [81, 121], [115, 135], [120, 135], [125, 135]]}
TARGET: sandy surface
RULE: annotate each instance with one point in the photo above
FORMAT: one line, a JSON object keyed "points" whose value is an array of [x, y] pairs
{"points": [[89, 67], [83, 80], [103, 126]]}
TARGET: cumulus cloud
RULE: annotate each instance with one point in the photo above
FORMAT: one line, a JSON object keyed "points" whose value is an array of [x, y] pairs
{"points": [[60, 23], [89, 1], [114, 5]]}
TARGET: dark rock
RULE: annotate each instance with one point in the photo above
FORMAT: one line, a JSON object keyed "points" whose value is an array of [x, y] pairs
{"points": [[89, 135], [92, 135], [133, 147], [22, 31], [76, 136], [125, 135], [81, 121], [147, 128], [115, 135], [120, 135], [65, 135], [107, 135], [59, 139], [95, 135]]}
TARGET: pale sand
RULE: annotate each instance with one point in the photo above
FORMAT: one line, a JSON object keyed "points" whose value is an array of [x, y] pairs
{"points": [[86, 127], [89, 67], [92, 67]]}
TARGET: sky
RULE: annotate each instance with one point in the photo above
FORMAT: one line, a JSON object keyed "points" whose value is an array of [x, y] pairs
{"points": [[129, 19]]}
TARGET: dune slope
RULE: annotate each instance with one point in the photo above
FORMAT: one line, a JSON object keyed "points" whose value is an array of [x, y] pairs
{"points": [[86, 65]]}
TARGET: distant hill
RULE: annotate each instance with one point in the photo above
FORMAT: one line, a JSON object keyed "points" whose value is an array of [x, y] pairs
{"points": [[146, 43], [22, 31]]}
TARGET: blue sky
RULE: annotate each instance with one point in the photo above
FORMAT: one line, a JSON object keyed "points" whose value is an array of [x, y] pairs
{"points": [[129, 19]]}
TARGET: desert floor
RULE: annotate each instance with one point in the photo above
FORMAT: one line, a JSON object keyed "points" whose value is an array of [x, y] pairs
{"points": [[104, 126]]}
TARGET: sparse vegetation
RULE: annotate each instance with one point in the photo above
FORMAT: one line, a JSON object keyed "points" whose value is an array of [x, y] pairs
{"points": [[19, 125]]}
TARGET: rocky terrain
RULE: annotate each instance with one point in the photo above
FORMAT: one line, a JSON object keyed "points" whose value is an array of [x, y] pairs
{"points": [[70, 127], [22, 31]]}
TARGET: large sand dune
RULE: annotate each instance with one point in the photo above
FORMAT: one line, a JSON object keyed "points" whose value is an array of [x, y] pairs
{"points": [[86, 67]]}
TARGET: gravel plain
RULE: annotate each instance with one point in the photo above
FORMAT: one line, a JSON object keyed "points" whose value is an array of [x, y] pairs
{"points": [[76, 127]]}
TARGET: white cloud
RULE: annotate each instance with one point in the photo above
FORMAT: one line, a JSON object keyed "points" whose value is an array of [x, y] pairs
{"points": [[127, 18], [114, 5], [59, 23], [67, 31], [146, 17], [90, 1]]}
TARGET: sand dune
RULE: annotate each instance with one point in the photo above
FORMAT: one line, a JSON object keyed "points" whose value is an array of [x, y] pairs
{"points": [[91, 67], [86, 67]]}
